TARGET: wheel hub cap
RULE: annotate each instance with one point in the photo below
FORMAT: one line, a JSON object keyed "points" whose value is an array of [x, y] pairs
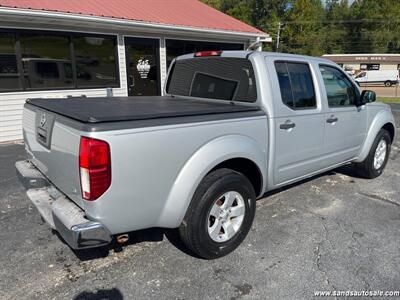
{"points": [[380, 154], [226, 216]]}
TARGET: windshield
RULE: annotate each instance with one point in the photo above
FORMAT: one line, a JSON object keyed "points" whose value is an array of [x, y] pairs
{"points": [[362, 74], [223, 78]]}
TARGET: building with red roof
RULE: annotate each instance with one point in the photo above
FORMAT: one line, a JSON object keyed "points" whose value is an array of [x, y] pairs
{"points": [[55, 48]]}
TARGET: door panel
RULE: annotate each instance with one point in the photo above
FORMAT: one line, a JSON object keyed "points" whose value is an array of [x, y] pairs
{"points": [[345, 127], [298, 150], [344, 137], [298, 122], [143, 66]]}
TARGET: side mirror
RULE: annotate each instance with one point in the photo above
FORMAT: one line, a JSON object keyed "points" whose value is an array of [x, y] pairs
{"points": [[367, 97]]}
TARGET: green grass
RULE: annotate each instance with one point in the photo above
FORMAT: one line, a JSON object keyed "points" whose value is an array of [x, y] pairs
{"points": [[388, 100]]}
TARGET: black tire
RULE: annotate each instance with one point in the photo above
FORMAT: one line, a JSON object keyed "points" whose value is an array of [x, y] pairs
{"points": [[194, 228], [388, 83], [366, 168]]}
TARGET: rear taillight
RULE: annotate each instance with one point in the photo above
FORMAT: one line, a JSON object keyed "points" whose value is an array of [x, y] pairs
{"points": [[207, 53], [94, 167]]}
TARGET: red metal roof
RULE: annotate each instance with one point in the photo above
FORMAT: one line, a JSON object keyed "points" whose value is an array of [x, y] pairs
{"points": [[187, 13]]}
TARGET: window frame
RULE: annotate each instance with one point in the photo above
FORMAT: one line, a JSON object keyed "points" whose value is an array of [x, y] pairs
{"points": [[355, 89], [312, 80], [70, 35]]}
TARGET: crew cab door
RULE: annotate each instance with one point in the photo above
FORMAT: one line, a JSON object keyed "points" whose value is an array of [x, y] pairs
{"points": [[345, 122], [298, 120]]}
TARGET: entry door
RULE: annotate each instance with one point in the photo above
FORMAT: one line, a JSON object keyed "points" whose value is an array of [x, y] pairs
{"points": [[298, 122], [143, 66], [346, 124]]}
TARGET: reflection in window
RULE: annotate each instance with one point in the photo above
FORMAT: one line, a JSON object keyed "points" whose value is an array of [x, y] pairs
{"points": [[223, 78], [9, 77], [176, 48], [209, 86], [43, 58], [95, 61], [339, 89]]}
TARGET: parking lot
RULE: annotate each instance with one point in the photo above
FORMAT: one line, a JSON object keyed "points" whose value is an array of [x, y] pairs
{"points": [[383, 91], [332, 232]]}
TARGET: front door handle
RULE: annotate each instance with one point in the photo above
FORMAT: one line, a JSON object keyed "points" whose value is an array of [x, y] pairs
{"points": [[332, 119], [287, 125]]}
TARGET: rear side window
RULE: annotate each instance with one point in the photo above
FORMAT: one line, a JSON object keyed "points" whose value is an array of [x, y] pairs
{"points": [[223, 78], [296, 85]]}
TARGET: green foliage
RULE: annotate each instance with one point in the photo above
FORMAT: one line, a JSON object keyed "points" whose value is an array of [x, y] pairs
{"points": [[315, 27]]}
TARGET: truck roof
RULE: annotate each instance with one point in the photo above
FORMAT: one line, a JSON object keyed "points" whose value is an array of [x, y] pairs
{"points": [[247, 53]]}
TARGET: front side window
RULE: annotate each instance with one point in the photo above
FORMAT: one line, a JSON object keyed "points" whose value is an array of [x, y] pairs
{"points": [[296, 85], [95, 61], [340, 91], [222, 78], [42, 56], [361, 75], [9, 76]]}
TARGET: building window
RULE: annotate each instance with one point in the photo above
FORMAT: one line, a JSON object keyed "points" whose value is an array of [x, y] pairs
{"points": [[9, 76], [95, 61], [39, 60], [370, 67], [43, 60], [179, 47]]}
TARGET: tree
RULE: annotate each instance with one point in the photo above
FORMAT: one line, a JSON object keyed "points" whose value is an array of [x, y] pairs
{"points": [[336, 27], [376, 26], [315, 27], [303, 28], [217, 4]]}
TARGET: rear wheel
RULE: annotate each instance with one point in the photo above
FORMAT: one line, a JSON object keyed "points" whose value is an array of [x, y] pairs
{"points": [[388, 83], [377, 158], [220, 214]]}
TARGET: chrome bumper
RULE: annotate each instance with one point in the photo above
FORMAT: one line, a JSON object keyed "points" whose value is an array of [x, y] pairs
{"points": [[59, 212]]}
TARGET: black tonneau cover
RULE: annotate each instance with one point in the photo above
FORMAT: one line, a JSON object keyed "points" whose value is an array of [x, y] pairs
{"points": [[98, 110]]}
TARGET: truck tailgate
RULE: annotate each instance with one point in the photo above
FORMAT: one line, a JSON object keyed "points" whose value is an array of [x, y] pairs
{"points": [[54, 149]]}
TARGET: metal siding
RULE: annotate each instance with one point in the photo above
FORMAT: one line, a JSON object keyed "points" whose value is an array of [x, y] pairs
{"points": [[187, 13]]}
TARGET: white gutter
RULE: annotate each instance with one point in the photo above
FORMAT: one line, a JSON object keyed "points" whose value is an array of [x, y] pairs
{"points": [[122, 22]]}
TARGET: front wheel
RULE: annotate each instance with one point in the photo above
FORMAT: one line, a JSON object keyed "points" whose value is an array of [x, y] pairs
{"points": [[220, 214], [377, 158]]}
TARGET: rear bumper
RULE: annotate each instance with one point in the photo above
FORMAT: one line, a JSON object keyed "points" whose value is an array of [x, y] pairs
{"points": [[60, 212]]}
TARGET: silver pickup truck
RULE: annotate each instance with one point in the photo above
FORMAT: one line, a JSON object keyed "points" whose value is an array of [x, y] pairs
{"points": [[231, 126]]}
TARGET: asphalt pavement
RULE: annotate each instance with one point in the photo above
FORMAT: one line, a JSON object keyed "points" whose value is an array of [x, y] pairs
{"points": [[383, 91], [332, 232]]}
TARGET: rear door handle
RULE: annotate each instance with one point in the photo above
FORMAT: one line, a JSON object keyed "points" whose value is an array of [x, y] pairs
{"points": [[287, 125], [332, 119]]}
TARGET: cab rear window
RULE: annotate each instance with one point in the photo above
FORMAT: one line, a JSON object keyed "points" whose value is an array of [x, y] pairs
{"points": [[222, 78]]}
